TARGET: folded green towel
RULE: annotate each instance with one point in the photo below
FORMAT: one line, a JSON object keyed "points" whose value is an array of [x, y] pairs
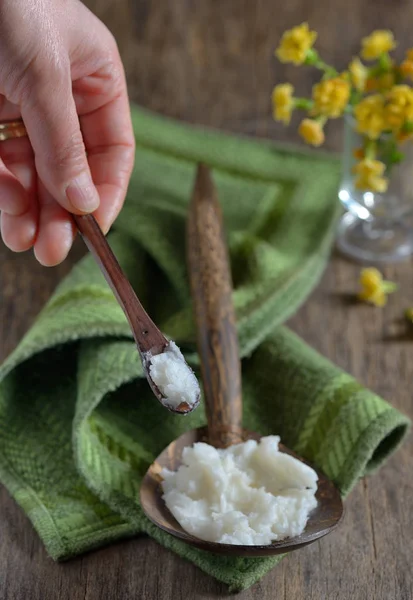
{"points": [[78, 423]]}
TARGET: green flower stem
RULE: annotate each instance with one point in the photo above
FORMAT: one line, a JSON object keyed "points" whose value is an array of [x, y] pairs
{"points": [[303, 103], [322, 120], [389, 152], [370, 148], [355, 97], [328, 71], [313, 59], [407, 127], [389, 287], [385, 62], [384, 65]]}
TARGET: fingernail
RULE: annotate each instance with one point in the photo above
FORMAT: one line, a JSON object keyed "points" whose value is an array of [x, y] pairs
{"points": [[82, 193]]}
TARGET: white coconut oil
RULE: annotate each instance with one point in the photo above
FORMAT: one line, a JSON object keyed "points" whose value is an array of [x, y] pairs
{"points": [[249, 493], [173, 377]]}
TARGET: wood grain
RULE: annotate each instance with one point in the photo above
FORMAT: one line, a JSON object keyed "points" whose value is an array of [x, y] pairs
{"points": [[211, 286], [147, 336], [210, 61]]}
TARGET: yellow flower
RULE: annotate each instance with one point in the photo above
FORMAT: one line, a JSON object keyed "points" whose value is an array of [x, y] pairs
{"points": [[369, 114], [311, 131], [374, 289], [377, 43], [399, 107], [283, 102], [370, 175], [330, 97], [406, 68], [295, 44], [358, 74]]}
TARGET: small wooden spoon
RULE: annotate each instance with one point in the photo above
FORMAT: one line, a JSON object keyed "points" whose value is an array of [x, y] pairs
{"points": [[149, 339], [221, 373]]}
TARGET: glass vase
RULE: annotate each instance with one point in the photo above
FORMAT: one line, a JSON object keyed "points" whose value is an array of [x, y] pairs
{"points": [[376, 227]]}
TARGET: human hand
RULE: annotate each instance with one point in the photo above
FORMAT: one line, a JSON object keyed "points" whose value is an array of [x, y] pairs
{"points": [[61, 72]]}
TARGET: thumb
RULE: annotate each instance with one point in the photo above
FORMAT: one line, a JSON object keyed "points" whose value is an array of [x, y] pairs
{"points": [[53, 127]]}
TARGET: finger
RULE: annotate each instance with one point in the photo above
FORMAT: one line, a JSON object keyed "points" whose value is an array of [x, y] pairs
{"points": [[108, 135], [110, 144], [50, 116], [19, 232], [17, 176], [56, 230], [13, 197], [109, 208]]}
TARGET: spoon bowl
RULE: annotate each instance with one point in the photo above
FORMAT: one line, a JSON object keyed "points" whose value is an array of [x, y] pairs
{"points": [[322, 520], [211, 289]]}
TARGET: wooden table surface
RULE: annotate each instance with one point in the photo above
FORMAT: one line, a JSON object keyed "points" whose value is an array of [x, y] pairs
{"points": [[210, 62]]}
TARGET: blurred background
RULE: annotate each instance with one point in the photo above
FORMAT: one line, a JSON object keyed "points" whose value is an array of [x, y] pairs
{"points": [[212, 61]]}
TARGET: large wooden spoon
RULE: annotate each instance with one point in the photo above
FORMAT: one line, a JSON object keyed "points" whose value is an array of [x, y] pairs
{"points": [[221, 373]]}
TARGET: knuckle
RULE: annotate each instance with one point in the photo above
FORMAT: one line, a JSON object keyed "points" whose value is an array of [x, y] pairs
{"points": [[71, 155], [110, 43], [129, 156], [35, 72], [49, 76], [41, 81], [112, 69], [114, 74]]}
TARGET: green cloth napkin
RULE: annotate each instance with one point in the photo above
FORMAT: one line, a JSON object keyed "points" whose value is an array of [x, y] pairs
{"points": [[78, 423]]}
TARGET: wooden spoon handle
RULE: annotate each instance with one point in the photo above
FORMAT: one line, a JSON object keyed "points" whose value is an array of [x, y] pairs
{"points": [[211, 288], [147, 336]]}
